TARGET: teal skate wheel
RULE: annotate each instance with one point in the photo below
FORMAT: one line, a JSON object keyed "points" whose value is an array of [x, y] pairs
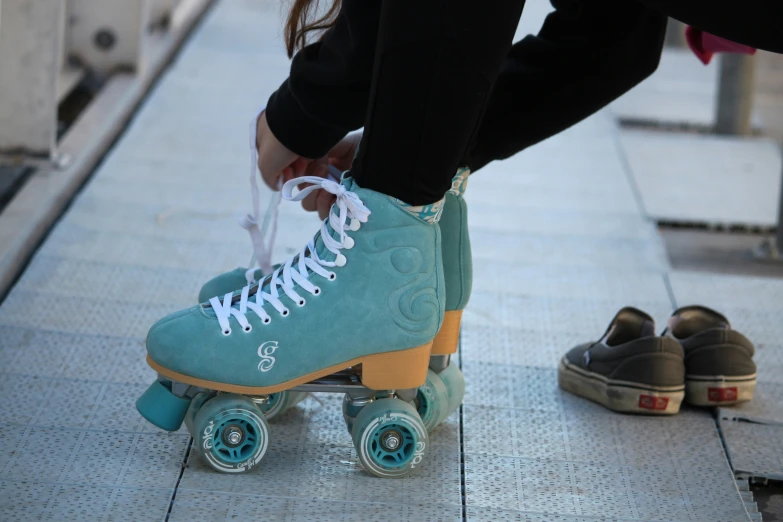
{"points": [[390, 438], [432, 401], [281, 402], [455, 385], [195, 405], [161, 407], [231, 433]]}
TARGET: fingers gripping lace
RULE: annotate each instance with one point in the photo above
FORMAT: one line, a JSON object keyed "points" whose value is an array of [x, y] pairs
{"points": [[263, 246], [262, 252], [295, 273]]}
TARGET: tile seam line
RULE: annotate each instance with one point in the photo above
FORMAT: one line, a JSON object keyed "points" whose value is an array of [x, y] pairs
{"points": [[576, 517], [82, 485], [69, 379], [288, 497], [622, 155], [183, 467], [462, 475], [87, 430], [715, 414], [560, 461]]}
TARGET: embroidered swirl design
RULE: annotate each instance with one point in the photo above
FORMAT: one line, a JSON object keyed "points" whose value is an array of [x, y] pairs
{"points": [[415, 304]]}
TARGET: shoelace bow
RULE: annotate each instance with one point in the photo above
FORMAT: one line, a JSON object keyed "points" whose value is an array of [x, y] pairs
{"points": [[294, 272]]}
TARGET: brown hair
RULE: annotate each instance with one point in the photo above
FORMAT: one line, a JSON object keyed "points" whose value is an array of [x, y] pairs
{"points": [[297, 25]]}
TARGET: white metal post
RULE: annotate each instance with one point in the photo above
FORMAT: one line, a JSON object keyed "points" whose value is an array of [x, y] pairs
{"points": [[735, 94], [779, 232], [31, 35]]}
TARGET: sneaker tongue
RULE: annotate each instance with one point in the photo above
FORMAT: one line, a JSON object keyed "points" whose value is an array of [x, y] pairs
{"points": [[628, 325], [691, 320]]}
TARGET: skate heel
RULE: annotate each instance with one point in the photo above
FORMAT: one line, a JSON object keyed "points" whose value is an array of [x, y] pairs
{"points": [[447, 338], [397, 370]]}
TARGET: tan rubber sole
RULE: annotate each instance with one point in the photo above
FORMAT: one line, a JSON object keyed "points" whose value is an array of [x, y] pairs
{"points": [[447, 339], [398, 370], [621, 396], [719, 391]]}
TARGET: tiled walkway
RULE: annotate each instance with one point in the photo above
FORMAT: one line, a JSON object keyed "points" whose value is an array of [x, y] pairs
{"points": [[560, 243]]}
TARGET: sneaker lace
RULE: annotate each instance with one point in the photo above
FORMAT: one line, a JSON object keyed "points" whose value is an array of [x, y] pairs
{"points": [[295, 273]]}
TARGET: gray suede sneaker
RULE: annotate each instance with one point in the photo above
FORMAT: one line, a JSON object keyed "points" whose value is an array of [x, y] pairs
{"points": [[629, 369], [719, 367]]}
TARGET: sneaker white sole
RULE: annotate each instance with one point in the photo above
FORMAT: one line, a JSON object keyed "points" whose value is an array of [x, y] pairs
{"points": [[621, 396], [719, 390]]}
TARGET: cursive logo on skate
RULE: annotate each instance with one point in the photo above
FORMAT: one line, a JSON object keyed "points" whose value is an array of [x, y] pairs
{"points": [[265, 351], [206, 438]]}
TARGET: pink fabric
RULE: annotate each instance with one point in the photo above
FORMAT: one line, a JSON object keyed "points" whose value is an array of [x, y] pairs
{"points": [[705, 45]]}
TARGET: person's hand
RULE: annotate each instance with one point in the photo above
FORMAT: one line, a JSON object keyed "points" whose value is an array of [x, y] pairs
{"points": [[276, 163], [340, 156]]}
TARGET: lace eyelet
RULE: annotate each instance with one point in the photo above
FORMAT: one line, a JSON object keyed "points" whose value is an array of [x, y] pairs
{"points": [[332, 276], [349, 243], [248, 329], [226, 333], [301, 303], [267, 320], [340, 260], [284, 313], [316, 291]]}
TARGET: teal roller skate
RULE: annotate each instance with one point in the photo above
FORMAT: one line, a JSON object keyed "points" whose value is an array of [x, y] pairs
{"points": [[445, 375], [442, 393], [355, 312]]}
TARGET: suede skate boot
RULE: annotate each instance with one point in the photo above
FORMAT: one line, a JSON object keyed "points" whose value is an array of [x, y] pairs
{"points": [[445, 375], [365, 298], [444, 389], [629, 369], [719, 367], [374, 285]]}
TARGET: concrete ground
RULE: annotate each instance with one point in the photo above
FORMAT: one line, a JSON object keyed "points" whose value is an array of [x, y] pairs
{"points": [[561, 242]]}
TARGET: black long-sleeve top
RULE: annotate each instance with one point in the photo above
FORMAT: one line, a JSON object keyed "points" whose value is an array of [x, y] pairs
{"points": [[587, 53]]}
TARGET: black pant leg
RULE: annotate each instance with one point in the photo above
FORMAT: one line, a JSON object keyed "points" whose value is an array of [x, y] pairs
{"points": [[586, 55], [435, 64]]}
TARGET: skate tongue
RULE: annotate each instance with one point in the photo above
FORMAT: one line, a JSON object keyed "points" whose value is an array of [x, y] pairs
{"points": [[320, 249], [322, 252]]}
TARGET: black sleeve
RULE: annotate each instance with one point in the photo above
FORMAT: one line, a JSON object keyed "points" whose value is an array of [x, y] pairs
{"points": [[326, 93], [587, 54]]}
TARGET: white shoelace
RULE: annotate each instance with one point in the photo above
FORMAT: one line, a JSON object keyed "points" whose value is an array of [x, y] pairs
{"points": [[294, 272], [262, 249], [262, 252]]}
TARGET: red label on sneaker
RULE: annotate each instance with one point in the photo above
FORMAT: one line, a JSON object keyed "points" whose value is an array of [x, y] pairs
{"points": [[722, 394], [648, 402]]}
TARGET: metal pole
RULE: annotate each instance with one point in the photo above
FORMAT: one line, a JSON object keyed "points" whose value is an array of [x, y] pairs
{"points": [[735, 94], [779, 231], [31, 58]]}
